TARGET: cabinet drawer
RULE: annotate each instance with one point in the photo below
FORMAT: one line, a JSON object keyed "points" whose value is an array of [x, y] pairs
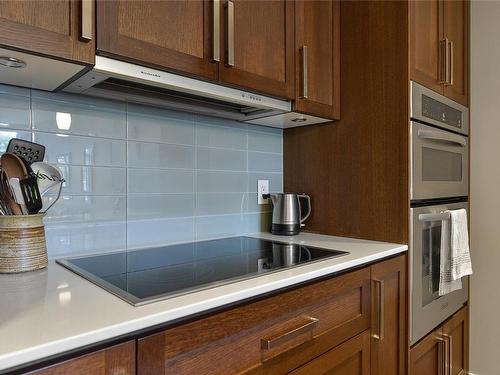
{"points": [[274, 335]]}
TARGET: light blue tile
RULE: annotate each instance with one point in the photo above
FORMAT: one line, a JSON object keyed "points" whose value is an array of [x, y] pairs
{"points": [[258, 141], [7, 135], [14, 90], [156, 181], [71, 208], [80, 239], [157, 232], [208, 181], [219, 159], [275, 181], [14, 111], [160, 206], [263, 162], [219, 226], [78, 150], [258, 222], [160, 156], [218, 136], [220, 203], [93, 180], [157, 125], [79, 118]]}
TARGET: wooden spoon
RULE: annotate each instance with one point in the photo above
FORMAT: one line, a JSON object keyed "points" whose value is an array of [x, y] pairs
{"points": [[12, 166], [7, 195]]}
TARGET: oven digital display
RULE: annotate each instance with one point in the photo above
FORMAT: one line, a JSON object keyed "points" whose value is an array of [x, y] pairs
{"points": [[441, 112]]}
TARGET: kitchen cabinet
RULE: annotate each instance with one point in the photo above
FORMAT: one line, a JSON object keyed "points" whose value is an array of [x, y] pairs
{"points": [[62, 29], [317, 58], [257, 46], [176, 35], [439, 47], [272, 336], [350, 358], [118, 359], [388, 338], [444, 351]]}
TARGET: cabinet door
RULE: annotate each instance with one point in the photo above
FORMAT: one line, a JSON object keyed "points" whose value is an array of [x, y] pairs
{"points": [[317, 57], [258, 46], [426, 31], [456, 29], [118, 359], [350, 358], [52, 28], [428, 356], [456, 331], [388, 343], [172, 34]]}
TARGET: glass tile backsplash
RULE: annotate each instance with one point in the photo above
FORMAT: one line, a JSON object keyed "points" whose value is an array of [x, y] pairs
{"points": [[140, 176]]}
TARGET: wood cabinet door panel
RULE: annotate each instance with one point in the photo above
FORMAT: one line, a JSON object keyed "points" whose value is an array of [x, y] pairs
{"points": [[263, 46], [317, 27], [456, 29], [350, 358], [457, 331], [166, 34], [389, 324], [49, 28], [115, 360], [231, 342], [428, 356], [426, 31]]}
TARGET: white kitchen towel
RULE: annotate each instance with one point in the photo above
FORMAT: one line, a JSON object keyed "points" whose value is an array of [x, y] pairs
{"points": [[446, 282], [460, 256]]}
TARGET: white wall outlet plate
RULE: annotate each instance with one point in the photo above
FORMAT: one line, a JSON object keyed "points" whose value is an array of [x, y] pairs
{"points": [[262, 188]]}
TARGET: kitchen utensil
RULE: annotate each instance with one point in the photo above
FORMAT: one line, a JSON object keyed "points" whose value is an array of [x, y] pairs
{"points": [[48, 176], [15, 167], [17, 194], [289, 213], [28, 151], [7, 196]]}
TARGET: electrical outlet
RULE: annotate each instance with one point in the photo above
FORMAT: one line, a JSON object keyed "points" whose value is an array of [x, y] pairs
{"points": [[262, 188]]}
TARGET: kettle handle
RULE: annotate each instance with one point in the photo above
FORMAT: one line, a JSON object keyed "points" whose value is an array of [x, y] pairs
{"points": [[308, 199]]}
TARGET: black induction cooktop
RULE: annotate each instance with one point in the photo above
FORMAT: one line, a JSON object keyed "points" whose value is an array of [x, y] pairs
{"points": [[153, 274]]}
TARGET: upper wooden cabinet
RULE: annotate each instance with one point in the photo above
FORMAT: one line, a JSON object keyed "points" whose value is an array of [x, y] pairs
{"points": [[257, 46], [317, 58], [389, 339], [439, 47], [176, 35], [58, 28]]}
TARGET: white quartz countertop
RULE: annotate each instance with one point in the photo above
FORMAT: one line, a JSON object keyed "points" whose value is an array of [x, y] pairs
{"points": [[52, 311]]}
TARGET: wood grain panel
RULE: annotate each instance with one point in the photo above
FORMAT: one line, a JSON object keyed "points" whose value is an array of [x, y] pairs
{"points": [[458, 329], [456, 28], [172, 35], [356, 169], [116, 360], [350, 358], [427, 356], [426, 30], [230, 342], [263, 47], [317, 26], [49, 28]]}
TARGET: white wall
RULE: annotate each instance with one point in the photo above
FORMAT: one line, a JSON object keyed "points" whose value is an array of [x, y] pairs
{"points": [[485, 187]]}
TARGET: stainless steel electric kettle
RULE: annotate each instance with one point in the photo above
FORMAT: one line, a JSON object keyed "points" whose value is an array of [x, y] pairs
{"points": [[290, 210]]}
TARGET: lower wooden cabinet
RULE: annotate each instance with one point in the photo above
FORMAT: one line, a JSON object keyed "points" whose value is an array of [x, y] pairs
{"points": [[444, 351], [115, 360], [350, 358]]}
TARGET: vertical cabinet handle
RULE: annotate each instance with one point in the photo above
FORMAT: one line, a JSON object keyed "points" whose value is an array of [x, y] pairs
{"points": [[450, 353], [303, 52], [86, 20], [446, 368], [230, 34], [451, 51], [216, 34], [444, 64], [380, 316]]}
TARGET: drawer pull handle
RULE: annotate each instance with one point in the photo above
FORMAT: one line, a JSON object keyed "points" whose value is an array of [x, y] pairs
{"points": [[86, 19], [216, 34], [230, 33], [381, 312], [271, 343]]}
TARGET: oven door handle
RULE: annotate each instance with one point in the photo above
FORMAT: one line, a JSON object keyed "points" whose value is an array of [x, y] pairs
{"points": [[442, 136], [434, 217]]}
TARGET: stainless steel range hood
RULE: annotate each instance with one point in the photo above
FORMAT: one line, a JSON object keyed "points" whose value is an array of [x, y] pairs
{"points": [[113, 79]]}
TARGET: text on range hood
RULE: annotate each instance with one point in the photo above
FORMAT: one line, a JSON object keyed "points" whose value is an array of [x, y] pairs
{"points": [[113, 79]]}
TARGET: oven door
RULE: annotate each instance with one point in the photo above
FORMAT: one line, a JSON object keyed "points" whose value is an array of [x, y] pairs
{"points": [[439, 163], [428, 309]]}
